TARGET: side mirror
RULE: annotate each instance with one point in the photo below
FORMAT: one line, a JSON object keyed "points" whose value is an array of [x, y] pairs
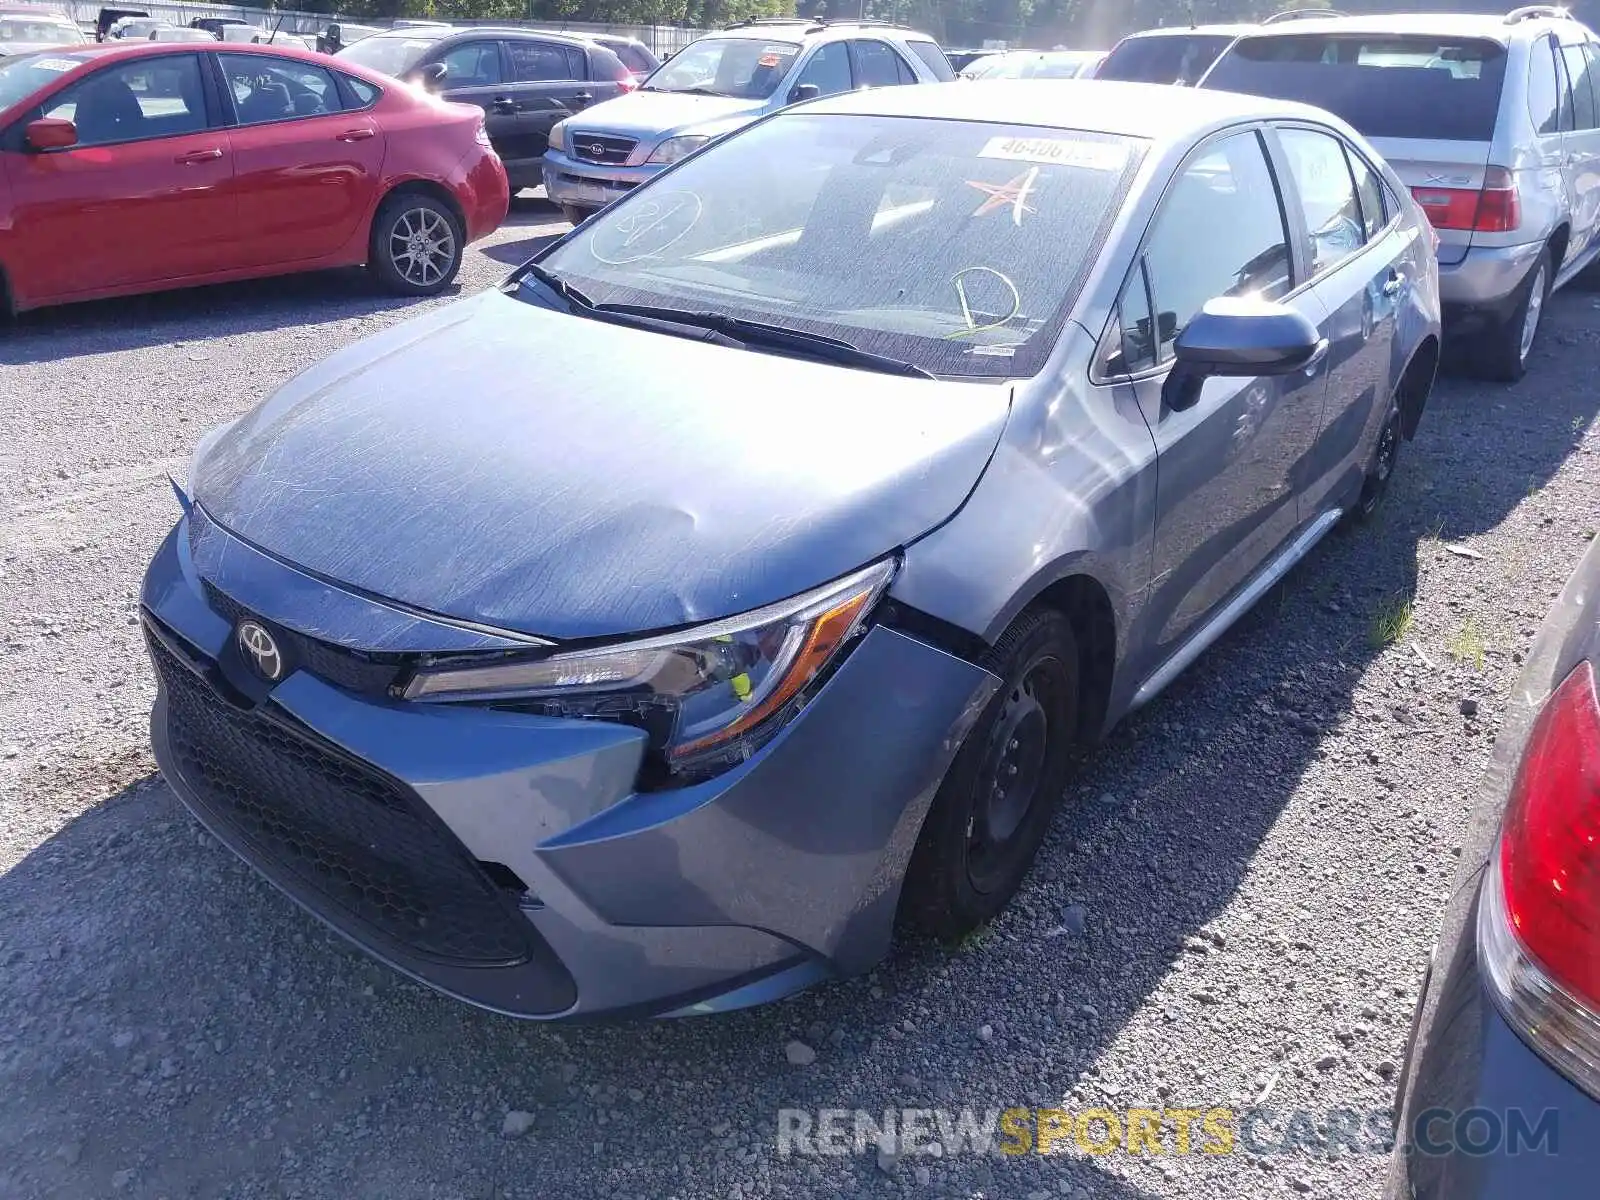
{"points": [[432, 75], [1237, 338], [804, 91], [50, 133]]}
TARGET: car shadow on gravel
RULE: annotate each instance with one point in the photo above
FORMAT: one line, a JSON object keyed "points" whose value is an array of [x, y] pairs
{"points": [[514, 254], [194, 315], [163, 1012]]}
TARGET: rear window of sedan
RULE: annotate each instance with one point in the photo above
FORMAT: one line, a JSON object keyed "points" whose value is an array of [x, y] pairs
{"points": [[1387, 87], [958, 246]]}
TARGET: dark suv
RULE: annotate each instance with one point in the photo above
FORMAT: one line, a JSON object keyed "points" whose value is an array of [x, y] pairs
{"points": [[525, 81]]}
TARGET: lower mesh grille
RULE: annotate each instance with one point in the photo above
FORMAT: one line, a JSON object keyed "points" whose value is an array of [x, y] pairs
{"points": [[357, 837]]}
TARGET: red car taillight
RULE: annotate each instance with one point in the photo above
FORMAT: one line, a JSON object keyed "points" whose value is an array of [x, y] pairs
{"points": [[1539, 919], [629, 83], [481, 136], [1493, 208]]}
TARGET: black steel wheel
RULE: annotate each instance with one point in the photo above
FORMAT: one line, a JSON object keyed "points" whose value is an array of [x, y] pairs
{"points": [[994, 807], [1385, 454]]}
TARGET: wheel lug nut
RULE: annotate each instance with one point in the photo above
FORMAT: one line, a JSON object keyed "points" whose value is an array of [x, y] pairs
{"points": [[1011, 770], [1013, 745]]}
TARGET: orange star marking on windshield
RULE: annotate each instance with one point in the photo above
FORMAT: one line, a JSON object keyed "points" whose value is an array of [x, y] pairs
{"points": [[1012, 195]]}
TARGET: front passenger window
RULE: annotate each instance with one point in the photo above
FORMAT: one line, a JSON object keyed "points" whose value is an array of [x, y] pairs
{"points": [[828, 68], [1220, 232], [1327, 196], [144, 98], [476, 64]]}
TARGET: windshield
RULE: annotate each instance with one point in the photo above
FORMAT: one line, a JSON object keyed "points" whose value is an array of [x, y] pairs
{"points": [[24, 74], [1168, 58], [1399, 87], [44, 32], [391, 55], [746, 68], [956, 246]]}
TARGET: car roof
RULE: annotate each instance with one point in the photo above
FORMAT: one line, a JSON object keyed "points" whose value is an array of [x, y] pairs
{"points": [[1475, 25], [437, 33], [1187, 30], [1141, 110], [802, 30]]}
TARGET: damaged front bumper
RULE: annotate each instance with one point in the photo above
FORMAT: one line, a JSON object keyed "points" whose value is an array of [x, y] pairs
{"points": [[505, 858]]}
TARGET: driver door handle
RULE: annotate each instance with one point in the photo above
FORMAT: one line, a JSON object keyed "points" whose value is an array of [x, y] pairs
{"points": [[504, 104], [355, 135], [1318, 356], [199, 156]]}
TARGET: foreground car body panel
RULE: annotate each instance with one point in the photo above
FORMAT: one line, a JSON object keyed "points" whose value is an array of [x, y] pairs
{"points": [[1463, 1055], [788, 866], [723, 475]]}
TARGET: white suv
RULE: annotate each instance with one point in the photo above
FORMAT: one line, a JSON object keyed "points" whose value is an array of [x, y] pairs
{"points": [[1494, 124], [720, 83]]}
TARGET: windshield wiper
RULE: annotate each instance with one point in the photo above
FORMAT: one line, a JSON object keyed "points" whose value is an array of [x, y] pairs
{"points": [[698, 90], [575, 299], [774, 337]]}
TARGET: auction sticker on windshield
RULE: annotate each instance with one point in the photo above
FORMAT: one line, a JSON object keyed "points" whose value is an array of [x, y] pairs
{"points": [[53, 64], [1062, 152]]}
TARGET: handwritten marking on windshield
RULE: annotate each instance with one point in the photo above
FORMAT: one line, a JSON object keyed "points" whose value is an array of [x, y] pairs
{"points": [[959, 281], [1012, 195]]}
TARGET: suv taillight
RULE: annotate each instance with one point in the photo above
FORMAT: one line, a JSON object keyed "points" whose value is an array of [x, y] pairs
{"points": [[1493, 208], [1539, 916]]}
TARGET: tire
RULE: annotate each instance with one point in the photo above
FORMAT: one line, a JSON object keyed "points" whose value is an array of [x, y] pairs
{"points": [[1380, 468], [1502, 356], [417, 244], [575, 215], [981, 835]]}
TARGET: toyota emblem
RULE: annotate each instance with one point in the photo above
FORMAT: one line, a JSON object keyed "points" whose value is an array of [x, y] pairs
{"points": [[261, 649]]}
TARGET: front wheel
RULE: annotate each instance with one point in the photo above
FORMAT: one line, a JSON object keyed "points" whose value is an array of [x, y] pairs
{"points": [[994, 807], [416, 245], [1503, 354]]}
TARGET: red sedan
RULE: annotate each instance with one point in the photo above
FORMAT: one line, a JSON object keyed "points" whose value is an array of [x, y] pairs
{"points": [[133, 168]]}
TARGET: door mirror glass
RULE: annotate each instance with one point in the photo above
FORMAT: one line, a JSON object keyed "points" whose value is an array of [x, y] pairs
{"points": [[51, 133], [803, 91]]}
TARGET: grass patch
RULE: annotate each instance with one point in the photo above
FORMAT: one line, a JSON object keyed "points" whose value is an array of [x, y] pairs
{"points": [[1392, 621], [1468, 646]]}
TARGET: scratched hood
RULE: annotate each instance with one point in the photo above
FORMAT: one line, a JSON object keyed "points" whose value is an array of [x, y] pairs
{"points": [[503, 464]]}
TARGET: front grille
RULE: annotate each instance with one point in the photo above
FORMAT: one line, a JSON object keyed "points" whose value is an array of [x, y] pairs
{"points": [[601, 148], [358, 838], [353, 670]]}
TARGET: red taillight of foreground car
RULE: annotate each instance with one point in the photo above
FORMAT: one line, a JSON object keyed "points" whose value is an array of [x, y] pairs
{"points": [[1494, 208], [1539, 922]]}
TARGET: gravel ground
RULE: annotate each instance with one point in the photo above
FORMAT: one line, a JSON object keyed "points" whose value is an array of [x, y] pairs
{"points": [[1235, 908]]}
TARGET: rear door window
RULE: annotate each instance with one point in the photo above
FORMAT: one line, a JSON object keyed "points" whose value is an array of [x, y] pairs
{"points": [[1583, 98], [933, 58], [1393, 87], [539, 62], [1544, 87], [1327, 196], [876, 64]]}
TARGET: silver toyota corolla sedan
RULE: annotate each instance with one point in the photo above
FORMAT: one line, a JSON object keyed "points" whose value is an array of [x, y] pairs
{"points": [[649, 633]]}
